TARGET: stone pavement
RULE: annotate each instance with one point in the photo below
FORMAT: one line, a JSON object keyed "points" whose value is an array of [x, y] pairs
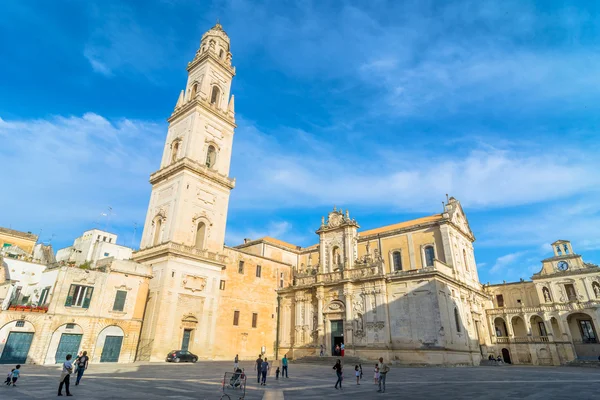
{"points": [[150, 381]]}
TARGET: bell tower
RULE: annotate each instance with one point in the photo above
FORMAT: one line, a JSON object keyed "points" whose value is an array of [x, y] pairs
{"points": [[190, 191], [184, 231]]}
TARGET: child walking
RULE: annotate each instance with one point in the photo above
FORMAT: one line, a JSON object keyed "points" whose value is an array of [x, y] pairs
{"points": [[357, 373], [277, 373], [9, 377], [376, 376], [15, 374]]}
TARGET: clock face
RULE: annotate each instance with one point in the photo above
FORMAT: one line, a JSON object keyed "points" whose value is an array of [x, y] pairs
{"points": [[563, 266]]}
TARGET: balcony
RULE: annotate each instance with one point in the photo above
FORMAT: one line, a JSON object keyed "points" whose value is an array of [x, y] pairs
{"points": [[23, 308], [181, 250], [571, 306], [522, 339]]}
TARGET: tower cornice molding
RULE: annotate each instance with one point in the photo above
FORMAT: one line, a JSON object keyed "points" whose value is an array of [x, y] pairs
{"points": [[193, 166], [209, 55], [225, 116]]}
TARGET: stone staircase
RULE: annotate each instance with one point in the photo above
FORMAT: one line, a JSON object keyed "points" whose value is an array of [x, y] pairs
{"points": [[331, 360]]}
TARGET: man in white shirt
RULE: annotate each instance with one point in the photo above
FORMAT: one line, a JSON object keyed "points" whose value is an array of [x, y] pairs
{"points": [[65, 376]]}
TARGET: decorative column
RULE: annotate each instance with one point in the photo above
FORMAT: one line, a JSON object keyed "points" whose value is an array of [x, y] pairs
{"points": [[585, 286], [348, 321], [320, 325]]}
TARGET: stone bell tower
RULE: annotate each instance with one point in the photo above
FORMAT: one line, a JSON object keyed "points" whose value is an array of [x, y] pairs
{"points": [[184, 231]]}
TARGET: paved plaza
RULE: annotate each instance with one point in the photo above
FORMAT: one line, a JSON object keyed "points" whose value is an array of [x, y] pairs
{"points": [[203, 381]]}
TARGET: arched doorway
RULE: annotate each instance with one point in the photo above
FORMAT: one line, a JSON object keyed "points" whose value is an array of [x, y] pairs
{"points": [[334, 325], [538, 326], [66, 339], [583, 333], [500, 327], [15, 341], [518, 325], [506, 356], [109, 344]]}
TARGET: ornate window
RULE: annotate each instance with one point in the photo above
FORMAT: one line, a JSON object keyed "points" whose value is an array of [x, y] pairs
{"points": [[397, 260], [211, 156], [194, 90], [457, 319], [215, 95], [429, 253], [200, 235], [221, 53]]}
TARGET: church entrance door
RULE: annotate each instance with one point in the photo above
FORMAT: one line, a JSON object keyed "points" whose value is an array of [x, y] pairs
{"points": [[506, 356], [337, 335]]}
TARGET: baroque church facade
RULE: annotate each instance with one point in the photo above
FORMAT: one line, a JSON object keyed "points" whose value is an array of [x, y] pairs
{"points": [[409, 292]]}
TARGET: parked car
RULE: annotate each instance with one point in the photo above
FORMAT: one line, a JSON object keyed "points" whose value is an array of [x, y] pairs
{"points": [[181, 356]]}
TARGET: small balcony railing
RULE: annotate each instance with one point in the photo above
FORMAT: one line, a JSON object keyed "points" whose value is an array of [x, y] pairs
{"points": [[24, 308], [522, 339]]}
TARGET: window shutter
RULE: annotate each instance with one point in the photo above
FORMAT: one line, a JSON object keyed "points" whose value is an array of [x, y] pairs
{"points": [[69, 301], [88, 297], [120, 300]]}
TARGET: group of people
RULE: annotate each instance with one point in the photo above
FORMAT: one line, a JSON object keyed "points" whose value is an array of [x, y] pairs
{"points": [[339, 350], [498, 359], [263, 367], [68, 368], [380, 373]]}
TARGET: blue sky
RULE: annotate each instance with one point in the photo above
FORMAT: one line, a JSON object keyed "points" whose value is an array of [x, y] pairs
{"points": [[381, 107]]}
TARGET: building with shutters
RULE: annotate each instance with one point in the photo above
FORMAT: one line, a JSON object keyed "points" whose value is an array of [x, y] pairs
{"points": [[50, 312]]}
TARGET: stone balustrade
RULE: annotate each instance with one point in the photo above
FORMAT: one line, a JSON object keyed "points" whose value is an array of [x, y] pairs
{"points": [[522, 339], [571, 306], [181, 249]]}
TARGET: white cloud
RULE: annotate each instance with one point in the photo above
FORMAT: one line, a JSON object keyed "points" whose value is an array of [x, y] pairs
{"points": [[503, 262], [272, 173], [65, 171]]}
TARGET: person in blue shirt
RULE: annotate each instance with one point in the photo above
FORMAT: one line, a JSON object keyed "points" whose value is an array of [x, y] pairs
{"points": [[264, 369], [284, 365], [15, 374]]}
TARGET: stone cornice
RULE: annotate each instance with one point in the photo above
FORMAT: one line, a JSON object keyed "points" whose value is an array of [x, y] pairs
{"points": [[225, 116], [193, 166], [400, 231], [569, 273], [210, 55], [180, 250], [241, 251]]}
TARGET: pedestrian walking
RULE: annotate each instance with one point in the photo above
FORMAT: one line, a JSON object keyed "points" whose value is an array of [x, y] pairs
{"points": [[338, 372], [277, 374], [258, 367], [383, 370], [9, 377], [65, 376], [15, 375], [82, 363], [342, 347], [264, 369], [236, 362], [322, 353], [376, 375], [360, 368], [284, 365], [357, 373]]}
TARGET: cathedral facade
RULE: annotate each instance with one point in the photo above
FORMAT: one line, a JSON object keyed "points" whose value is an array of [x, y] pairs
{"points": [[408, 292]]}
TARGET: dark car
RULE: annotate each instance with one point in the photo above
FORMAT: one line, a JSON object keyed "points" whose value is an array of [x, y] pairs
{"points": [[181, 356]]}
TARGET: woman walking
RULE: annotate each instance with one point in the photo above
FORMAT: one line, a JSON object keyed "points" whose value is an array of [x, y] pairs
{"points": [[338, 371]]}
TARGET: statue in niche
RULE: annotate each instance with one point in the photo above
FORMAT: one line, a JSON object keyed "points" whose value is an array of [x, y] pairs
{"points": [[546, 295], [368, 247], [596, 290]]}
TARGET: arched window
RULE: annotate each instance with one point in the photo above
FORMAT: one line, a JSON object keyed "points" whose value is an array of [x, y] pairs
{"points": [[214, 97], [211, 156], [174, 150], [157, 229], [566, 248], [465, 259], [200, 235], [558, 251], [221, 53], [429, 256], [397, 260], [457, 319], [194, 90]]}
